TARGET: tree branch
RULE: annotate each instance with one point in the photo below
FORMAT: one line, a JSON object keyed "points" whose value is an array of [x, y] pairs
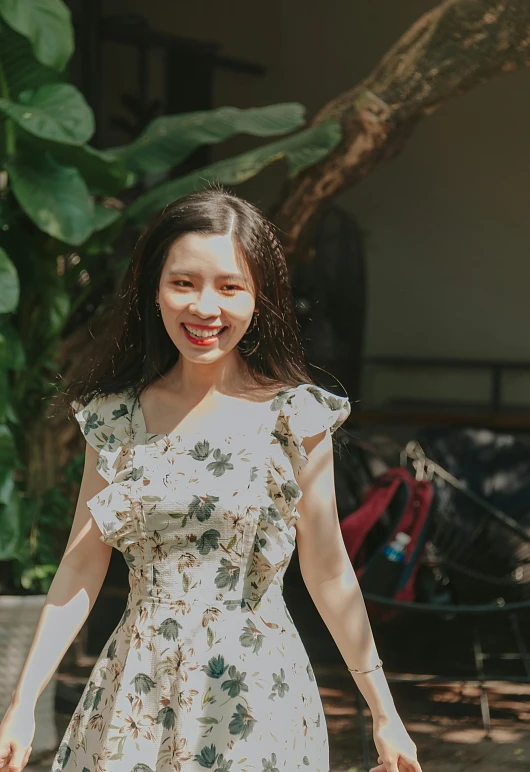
{"points": [[448, 51]]}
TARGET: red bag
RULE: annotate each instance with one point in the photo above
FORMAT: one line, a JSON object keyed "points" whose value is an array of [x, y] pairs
{"points": [[412, 521]]}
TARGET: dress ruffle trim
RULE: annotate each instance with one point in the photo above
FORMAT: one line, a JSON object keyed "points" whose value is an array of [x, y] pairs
{"points": [[106, 424], [115, 516], [303, 411]]}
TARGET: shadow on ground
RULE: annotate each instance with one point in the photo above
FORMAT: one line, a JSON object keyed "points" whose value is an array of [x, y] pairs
{"points": [[444, 721]]}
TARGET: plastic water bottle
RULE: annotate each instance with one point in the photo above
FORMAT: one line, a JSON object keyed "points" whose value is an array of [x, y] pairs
{"points": [[383, 572], [395, 551]]}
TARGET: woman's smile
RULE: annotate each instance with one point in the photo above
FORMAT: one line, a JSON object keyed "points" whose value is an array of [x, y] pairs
{"points": [[202, 335]]}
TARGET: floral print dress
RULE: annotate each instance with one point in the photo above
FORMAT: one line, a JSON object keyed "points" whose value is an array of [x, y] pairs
{"points": [[205, 669]]}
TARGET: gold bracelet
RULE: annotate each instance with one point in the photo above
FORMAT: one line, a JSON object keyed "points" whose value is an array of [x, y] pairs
{"points": [[377, 667]]}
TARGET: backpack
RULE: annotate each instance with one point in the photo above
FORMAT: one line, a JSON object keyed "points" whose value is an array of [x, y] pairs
{"points": [[396, 502]]}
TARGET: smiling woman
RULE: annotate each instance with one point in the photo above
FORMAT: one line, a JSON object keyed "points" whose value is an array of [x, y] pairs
{"points": [[206, 306], [209, 453], [208, 260]]}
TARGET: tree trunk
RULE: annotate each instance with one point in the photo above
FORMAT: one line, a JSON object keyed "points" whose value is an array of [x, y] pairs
{"points": [[448, 51]]}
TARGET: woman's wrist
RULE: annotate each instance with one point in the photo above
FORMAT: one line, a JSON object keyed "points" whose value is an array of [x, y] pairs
{"points": [[376, 692], [357, 671], [24, 701], [385, 716]]}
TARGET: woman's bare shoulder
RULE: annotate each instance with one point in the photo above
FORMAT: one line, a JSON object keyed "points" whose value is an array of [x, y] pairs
{"points": [[266, 392]]}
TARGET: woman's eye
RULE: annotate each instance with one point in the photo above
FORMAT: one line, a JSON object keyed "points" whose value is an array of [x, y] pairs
{"points": [[184, 282]]}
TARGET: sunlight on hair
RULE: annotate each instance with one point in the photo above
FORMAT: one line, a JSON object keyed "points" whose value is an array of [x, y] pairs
{"points": [[232, 223]]}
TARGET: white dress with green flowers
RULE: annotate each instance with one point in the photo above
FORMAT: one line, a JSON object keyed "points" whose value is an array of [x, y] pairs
{"points": [[205, 669]]}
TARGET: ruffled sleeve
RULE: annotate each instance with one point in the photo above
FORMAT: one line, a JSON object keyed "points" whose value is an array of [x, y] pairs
{"points": [[106, 424], [303, 411]]}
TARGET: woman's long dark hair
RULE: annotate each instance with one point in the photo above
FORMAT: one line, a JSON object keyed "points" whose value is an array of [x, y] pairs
{"points": [[135, 349]]}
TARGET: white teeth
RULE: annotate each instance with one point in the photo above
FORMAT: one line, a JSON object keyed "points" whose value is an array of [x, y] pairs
{"points": [[197, 333]]}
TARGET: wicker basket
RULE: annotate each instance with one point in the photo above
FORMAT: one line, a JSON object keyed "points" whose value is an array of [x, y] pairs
{"points": [[19, 615]]}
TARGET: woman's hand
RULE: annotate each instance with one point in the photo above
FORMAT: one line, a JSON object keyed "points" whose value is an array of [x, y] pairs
{"points": [[16, 735], [397, 752]]}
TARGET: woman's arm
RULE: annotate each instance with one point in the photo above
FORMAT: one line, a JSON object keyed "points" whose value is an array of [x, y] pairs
{"points": [[331, 581], [72, 593]]}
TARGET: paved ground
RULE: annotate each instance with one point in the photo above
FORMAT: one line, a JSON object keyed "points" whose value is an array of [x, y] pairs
{"points": [[444, 721]]}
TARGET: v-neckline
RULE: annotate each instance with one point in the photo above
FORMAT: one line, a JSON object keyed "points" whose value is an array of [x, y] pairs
{"points": [[177, 434]]}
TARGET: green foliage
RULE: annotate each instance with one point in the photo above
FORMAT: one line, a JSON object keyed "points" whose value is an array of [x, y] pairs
{"points": [[52, 516], [170, 139], [9, 286], [59, 223], [20, 69], [57, 112], [54, 197], [300, 151], [46, 24]]}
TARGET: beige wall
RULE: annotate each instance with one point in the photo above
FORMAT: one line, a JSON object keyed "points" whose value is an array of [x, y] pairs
{"points": [[446, 223]]}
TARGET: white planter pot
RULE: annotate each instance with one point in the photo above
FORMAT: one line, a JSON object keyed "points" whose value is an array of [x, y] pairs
{"points": [[19, 615]]}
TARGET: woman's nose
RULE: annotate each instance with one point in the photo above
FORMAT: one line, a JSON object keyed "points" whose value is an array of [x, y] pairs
{"points": [[207, 304]]}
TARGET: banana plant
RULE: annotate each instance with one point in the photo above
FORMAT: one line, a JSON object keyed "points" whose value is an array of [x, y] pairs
{"points": [[64, 205]]}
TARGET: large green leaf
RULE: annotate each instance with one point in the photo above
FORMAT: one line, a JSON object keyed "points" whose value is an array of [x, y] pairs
{"points": [[15, 358], [105, 216], [103, 173], [19, 68], [56, 112], [7, 484], [10, 525], [169, 140], [55, 197], [109, 225], [9, 285], [46, 24], [59, 309], [3, 395], [300, 151], [3, 379]]}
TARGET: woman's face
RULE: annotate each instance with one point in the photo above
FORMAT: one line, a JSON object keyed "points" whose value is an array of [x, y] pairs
{"points": [[205, 288]]}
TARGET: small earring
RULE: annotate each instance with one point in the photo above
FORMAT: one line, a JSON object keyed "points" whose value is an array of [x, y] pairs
{"points": [[157, 304], [253, 328], [254, 323]]}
